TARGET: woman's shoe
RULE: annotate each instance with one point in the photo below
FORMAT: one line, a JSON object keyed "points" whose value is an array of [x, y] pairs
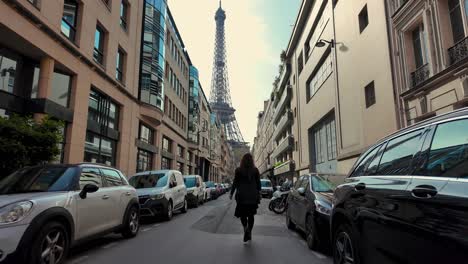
{"points": [[246, 237], [249, 235]]}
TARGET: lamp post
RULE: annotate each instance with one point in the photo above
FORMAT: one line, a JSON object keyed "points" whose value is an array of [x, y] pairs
{"points": [[198, 148]]}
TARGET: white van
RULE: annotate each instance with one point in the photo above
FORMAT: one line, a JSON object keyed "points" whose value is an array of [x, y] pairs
{"points": [[160, 193]]}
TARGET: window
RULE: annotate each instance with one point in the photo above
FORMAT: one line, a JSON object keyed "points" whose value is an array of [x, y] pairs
{"points": [[300, 62], [165, 163], [60, 90], [297, 184], [363, 19], [102, 110], [90, 176], [112, 178], [448, 156], [7, 74], [304, 182], [180, 167], [321, 73], [419, 47], [144, 161], [167, 144], [324, 139], [456, 20], [123, 14], [363, 162], [369, 91], [69, 19], [146, 134], [180, 151], [396, 159], [99, 149], [119, 72], [98, 54], [189, 156]]}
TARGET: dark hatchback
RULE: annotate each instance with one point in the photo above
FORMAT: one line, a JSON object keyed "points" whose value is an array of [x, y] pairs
{"points": [[406, 199], [309, 208]]}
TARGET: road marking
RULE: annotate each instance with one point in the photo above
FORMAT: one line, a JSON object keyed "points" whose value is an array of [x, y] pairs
{"points": [[110, 245], [79, 260]]}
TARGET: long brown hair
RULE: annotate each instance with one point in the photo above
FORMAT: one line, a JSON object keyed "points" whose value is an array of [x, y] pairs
{"points": [[247, 162]]}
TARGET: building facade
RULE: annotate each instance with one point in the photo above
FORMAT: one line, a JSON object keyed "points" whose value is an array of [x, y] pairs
{"points": [[335, 95], [116, 72], [430, 56]]}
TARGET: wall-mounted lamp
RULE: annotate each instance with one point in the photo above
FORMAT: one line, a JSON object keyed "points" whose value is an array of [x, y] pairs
{"points": [[322, 43]]}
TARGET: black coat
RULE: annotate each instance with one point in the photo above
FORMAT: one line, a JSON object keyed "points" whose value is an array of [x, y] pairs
{"points": [[247, 184]]}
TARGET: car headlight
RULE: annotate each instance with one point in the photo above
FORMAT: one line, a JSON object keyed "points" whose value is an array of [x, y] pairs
{"points": [[157, 196], [190, 191], [322, 207], [15, 212]]}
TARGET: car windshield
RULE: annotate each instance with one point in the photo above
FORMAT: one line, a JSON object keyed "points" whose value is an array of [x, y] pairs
{"points": [[322, 184], [209, 184], [38, 179], [190, 182], [265, 183], [149, 181]]}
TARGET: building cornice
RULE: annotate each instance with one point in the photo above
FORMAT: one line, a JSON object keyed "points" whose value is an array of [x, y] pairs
{"points": [[301, 19]]}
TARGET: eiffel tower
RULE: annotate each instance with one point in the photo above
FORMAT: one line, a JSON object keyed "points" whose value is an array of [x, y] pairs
{"points": [[220, 97]]}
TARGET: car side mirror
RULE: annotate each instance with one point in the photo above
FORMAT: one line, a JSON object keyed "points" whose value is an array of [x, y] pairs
{"points": [[88, 188], [301, 191], [198, 185]]}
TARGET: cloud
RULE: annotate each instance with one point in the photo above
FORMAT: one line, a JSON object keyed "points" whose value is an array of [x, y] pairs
{"points": [[250, 55]]}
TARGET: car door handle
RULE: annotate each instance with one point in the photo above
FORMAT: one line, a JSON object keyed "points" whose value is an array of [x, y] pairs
{"points": [[360, 186], [424, 191], [105, 197], [128, 193]]}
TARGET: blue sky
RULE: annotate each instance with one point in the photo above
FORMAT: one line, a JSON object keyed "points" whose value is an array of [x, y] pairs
{"points": [[256, 32]]}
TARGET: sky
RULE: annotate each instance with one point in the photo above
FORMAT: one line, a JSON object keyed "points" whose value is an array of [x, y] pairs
{"points": [[256, 33]]}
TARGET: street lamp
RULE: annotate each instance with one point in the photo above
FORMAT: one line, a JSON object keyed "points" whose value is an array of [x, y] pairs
{"points": [[198, 148], [322, 43]]}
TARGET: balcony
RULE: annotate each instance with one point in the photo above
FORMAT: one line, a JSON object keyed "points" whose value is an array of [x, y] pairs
{"points": [[288, 166], [282, 124], [285, 145], [420, 75], [459, 51], [284, 77], [282, 103]]}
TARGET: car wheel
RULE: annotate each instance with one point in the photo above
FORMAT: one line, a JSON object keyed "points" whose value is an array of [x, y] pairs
{"points": [[311, 238], [51, 244], [132, 224], [344, 246], [289, 223], [169, 212], [185, 208]]}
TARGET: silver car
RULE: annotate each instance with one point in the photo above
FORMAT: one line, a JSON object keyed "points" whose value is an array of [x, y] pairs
{"points": [[45, 210]]}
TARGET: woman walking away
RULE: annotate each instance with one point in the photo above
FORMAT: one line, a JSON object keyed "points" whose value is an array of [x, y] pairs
{"points": [[247, 187]]}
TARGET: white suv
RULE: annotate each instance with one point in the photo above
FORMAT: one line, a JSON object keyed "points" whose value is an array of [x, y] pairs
{"points": [[195, 190], [44, 210], [160, 193]]}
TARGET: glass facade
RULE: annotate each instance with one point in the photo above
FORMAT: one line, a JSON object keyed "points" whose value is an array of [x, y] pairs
{"points": [[99, 149], [70, 16], [152, 56], [61, 87], [144, 161], [7, 73], [194, 102]]}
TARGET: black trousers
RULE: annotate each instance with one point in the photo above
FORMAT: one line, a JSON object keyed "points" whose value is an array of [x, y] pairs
{"points": [[248, 220]]}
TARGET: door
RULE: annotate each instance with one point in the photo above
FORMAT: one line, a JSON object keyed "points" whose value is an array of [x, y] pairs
{"points": [[181, 189], [119, 195], [438, 205], [93, 212], [379, 198], [294, 198], [302, 203]]}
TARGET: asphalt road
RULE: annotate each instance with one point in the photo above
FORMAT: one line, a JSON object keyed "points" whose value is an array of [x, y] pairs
{"points": [[208, 234]]}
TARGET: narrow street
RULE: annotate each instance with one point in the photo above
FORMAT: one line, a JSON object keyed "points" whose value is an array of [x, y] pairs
{"points": [[208, 234]]}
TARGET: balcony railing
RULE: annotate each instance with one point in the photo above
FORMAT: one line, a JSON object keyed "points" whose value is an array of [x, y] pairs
{"points": [[281, 125], [459, 51], [288, 166], [420, 75], [284, 99], [285, 145]]}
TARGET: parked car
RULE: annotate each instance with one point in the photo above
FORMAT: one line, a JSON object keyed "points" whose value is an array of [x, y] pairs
{"points": [[211, 192], [195, 190], [219, 189], [45, 210], [406, 198], [267, 188], [309, 207], [160, 193]]}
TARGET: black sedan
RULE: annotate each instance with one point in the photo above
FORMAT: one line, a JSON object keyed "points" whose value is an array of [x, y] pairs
{"points": [[309, 207]]}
